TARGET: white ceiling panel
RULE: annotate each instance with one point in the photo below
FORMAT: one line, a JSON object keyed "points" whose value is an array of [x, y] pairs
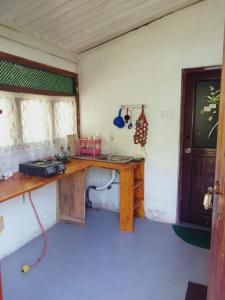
{"points": [[78, 25]]}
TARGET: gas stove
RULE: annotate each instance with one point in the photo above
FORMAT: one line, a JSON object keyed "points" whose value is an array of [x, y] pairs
{"points": [[43, 168]]}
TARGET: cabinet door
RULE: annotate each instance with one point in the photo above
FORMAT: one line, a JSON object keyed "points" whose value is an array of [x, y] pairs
{"points": [[71, 206]]}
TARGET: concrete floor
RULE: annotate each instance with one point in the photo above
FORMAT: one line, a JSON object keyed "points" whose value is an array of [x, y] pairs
{"points": [[98, 262]]}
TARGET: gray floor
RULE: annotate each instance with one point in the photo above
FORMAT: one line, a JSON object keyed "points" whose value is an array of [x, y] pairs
{"points": [[98, 262]]}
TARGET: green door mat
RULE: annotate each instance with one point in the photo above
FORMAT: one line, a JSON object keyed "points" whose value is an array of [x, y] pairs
{"points": [[197, 237]]}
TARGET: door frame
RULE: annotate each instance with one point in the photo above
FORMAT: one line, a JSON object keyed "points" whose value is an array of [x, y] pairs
{"points": [[216, 278], [185, 72]]}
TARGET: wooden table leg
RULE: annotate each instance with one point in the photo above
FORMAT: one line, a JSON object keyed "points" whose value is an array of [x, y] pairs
{"points": [[139, 191], [139, 211], [126, 200], [71, 198]]}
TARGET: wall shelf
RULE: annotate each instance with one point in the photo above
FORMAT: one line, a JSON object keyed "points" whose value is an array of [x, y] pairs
{"points": [[138, 182], [137, 202], [138, 205]]}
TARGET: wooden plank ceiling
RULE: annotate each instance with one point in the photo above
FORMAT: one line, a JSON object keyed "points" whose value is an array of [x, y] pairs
{"points": [[78, 25]]}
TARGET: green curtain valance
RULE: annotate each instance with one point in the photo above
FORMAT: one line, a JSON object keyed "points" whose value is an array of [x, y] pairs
{"points": [[18, 75]]}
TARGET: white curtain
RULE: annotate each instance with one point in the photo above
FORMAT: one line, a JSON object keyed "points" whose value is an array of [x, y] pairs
{"points": [[64, 112], [34, 121], [8, 123]]}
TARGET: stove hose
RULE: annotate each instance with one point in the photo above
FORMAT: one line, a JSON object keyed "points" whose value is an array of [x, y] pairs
{"points": [[26, 268]]}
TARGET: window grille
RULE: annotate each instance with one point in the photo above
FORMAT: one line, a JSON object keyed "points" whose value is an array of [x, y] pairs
{"points": [[18, 75]]}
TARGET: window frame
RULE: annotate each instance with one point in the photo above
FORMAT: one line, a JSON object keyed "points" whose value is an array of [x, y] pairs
{"points": [[44, 67]]}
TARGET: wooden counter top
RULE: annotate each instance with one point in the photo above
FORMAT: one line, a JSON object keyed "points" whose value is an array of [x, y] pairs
{"points": [[20, 184], [108, 165]]}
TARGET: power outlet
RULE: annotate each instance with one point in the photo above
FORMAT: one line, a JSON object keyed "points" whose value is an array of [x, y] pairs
{"points": [[1, 224]]}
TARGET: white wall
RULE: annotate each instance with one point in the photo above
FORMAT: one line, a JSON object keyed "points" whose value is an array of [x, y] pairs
{"points": [[145, 66], [20, 223], [18, 49]]}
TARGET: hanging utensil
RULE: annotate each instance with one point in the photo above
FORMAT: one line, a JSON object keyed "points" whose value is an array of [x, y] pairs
{"points": [[130, 123], [127, 117], [141, 132], [118, 121]]}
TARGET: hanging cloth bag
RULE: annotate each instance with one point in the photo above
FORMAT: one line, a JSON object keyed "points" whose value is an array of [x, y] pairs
{"points": [[141, 130]]}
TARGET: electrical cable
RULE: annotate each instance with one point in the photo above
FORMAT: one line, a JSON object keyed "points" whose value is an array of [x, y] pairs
{"points": [[26, 268]]}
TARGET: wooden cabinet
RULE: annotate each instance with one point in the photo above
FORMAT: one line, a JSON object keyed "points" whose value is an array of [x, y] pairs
{"points": [[131, 196], [71, 190], [71, 198], [139, 191]]}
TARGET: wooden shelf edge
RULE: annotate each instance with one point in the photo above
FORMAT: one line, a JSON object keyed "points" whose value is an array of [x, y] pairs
{"points": [[137, 202], [71, 220], [138, 182]]}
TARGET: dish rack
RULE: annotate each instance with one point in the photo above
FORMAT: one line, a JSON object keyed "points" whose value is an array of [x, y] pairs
{"points": [[89, 146]]}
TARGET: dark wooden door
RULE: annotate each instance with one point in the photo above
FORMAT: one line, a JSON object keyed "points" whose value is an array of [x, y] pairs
{"points": [[200, 110], [216, 284]]}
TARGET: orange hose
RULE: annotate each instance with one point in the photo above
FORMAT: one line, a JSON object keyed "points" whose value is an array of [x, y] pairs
{"points": [[45, 247]]}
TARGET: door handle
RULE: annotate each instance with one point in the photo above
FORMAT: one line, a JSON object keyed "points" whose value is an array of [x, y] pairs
{"points": [[187, 150], [208, 198]]}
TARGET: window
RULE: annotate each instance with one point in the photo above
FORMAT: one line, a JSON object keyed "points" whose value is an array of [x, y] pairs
{"points": [[7, 122], [39, 106], [35, 120], [64, 116]]}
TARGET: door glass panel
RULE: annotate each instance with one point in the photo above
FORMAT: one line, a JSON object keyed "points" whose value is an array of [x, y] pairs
{"points": [[207, 97]]}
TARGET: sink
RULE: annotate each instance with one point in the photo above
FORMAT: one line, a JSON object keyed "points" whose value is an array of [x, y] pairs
{"points": [[107, 158], [115, 158]]}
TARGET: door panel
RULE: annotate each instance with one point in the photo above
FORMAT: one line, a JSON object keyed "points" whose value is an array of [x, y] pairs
{"points": [[200, 109], [202, 176], [206, 113], [216, 285]]}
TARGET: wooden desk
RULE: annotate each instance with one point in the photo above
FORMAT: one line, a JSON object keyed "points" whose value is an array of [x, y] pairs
{"points": [[131, 190], [71, 194]]}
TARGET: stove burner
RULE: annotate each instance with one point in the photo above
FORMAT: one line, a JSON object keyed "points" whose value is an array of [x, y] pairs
{"points": [[42, 168], [43, 162]]}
